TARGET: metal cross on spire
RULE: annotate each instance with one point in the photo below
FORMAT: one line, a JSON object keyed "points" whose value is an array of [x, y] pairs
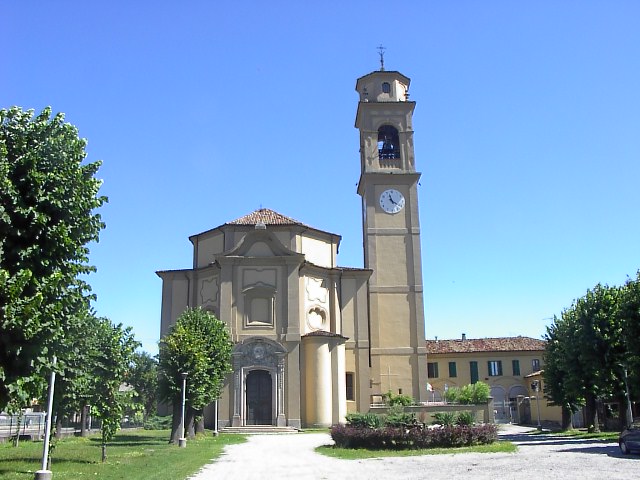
{"points": [[381, 50]]}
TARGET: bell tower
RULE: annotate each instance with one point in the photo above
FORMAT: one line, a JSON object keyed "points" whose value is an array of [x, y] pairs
{"points": [[391, 234]]}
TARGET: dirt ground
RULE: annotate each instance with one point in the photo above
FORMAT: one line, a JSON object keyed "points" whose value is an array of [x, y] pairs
{"points": [[292, 456]]}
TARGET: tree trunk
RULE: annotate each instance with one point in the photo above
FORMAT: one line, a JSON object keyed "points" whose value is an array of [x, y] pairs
{"points": [[175, 423], [593, 425], [199, 421], [622, 412], [567, 418], [16, 439], [83, 421], [104, 452], [190, 417], [58, 425]]}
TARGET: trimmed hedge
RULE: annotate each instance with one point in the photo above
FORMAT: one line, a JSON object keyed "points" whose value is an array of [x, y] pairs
{"points": [[416, 437]]}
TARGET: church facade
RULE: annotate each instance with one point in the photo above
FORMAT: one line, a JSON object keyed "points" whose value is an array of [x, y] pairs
{"points": [[314, 340]]}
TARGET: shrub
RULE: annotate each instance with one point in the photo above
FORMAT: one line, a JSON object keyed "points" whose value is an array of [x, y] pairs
{"points": [[157, 423], [444, 418], [472, 394], [465, 418], [364, 420], [396, 417], [452, 395], [466, 394], [393, 438], [480, 393], [392, 399]]}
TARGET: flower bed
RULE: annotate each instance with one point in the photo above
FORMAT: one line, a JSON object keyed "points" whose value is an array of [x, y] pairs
{"points": [[414, 437]]}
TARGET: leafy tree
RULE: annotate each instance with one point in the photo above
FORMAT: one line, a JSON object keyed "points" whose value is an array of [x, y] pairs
{"points": [[585, 351], [47, 199], [600, 336], [562, 373], [143, 377], [115, 347], [630, 317], [76, 382], [199, 345]]}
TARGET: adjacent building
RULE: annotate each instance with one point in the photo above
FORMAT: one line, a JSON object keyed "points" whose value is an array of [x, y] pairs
{"points": [[505, 364]]}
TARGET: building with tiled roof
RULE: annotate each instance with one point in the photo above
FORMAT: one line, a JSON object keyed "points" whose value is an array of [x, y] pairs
{"points": [[500, 344], [313, 340], [275, 282], [265, 216], [503, 363]]}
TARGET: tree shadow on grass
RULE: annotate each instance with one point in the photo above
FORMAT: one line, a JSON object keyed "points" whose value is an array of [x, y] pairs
{"points": [[36, 464], [132, 440]]}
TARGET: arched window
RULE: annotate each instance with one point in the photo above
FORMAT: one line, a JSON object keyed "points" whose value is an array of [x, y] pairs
{"points": [[388, 142], [386, 87]]}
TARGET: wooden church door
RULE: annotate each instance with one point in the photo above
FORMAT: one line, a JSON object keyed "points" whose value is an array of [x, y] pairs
{"points": [[259, 398]]}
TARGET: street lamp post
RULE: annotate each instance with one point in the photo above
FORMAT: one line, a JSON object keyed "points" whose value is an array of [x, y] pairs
{"points": [[44, 473], [182, 442], [215, 419]]}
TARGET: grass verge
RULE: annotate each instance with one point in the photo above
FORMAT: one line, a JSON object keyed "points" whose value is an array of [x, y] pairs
{"points": [[134, 455], [360, 453], [580, 433]]}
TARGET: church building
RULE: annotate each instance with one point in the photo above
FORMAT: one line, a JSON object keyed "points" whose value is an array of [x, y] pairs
{"points": [[314, 340]]}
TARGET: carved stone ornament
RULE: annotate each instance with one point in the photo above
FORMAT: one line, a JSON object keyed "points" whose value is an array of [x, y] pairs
{"points": [[316, 318], [256, 353]]}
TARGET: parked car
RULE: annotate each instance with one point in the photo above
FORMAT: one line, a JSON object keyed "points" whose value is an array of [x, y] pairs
{"points": [[629, 439]]}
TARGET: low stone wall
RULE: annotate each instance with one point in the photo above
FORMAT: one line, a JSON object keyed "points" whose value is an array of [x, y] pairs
{"points": [[484, 413]]}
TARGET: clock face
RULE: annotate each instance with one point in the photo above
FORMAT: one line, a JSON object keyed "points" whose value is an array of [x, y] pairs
{"points": [[391, 201]]}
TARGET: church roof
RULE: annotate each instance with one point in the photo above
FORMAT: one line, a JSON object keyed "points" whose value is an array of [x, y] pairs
{"points": [[266, 216], [385, 72], [324, 333], [471, 345]]}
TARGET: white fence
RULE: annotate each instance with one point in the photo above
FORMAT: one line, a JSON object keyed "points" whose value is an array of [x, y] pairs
{"points": [[29, 425]]}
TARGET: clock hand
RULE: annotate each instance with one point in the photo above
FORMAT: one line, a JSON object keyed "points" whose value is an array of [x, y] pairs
{"points": [[392, 201]]}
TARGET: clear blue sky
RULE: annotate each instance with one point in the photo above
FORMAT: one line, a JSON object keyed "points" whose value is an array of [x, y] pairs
{"points": [[527, 134]]}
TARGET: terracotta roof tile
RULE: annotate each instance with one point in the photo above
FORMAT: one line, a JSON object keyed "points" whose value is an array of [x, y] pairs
{"points": [[324, 333], [266, 216], [502, 344]]}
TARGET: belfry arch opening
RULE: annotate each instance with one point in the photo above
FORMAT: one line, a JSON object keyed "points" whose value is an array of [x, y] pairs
{"points": [[388, 143]]}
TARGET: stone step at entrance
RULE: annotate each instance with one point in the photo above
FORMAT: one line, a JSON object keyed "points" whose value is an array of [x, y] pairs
{"points": [[258, 429]]}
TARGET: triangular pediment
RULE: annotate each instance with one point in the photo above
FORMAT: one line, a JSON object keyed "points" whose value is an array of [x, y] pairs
{"points": [[260, 243]]}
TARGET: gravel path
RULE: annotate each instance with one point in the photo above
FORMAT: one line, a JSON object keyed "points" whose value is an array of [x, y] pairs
{"points": [[538, 456]]}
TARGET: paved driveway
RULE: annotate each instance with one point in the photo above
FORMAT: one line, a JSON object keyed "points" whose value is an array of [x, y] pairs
{"points": [[538, 456]]}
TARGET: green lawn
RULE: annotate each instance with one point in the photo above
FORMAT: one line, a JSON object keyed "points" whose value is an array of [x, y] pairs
{"points": [[360, 453], [582, 433], [134, 455]]}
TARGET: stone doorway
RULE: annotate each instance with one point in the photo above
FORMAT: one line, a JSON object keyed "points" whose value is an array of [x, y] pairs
{"points": [[259, 398], [258, 383]]}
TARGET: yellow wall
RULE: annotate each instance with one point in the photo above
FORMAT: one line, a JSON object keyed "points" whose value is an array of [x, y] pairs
{"points": [[508, 386]]}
